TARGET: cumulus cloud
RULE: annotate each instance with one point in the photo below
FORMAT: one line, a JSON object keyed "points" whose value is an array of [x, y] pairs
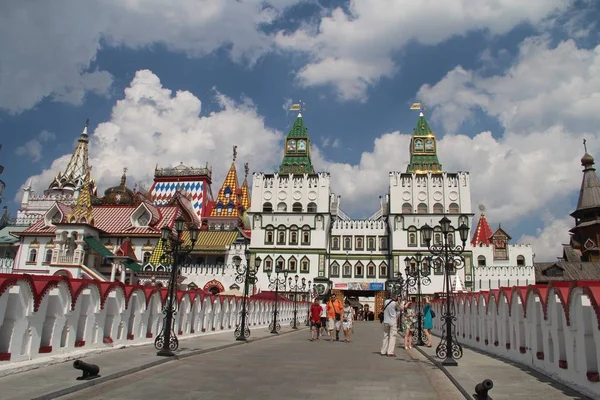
{"points": [[546, 243], [32, 149], [353, 49], [49, 49], [151, 124]]}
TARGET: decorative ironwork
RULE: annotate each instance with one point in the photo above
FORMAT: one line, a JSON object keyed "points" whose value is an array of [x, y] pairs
{"points": [[449, 256], [417, 274], [176, 254], [296, 287], [245, 274], [274, 283]]}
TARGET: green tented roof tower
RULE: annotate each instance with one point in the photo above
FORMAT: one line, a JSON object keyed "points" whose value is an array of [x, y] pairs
{"points": [[423, 149], [296, 156]]}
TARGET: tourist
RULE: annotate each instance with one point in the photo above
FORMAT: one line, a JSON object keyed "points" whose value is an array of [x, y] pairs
{"points": [[408, 324], [348, 321], [334, 317], [390, 326], [428, 320], [315, 320], [324, 317]]}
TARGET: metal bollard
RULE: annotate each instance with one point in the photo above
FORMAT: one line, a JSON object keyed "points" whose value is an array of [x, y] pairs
{"points": [[481, 390], [90, 371]]}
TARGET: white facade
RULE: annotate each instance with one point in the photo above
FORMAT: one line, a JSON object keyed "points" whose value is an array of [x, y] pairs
{"points": [[489, 272], [419, 199]]}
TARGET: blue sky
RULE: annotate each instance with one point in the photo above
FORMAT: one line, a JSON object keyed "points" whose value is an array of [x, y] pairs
{"points": [[510, 91]]}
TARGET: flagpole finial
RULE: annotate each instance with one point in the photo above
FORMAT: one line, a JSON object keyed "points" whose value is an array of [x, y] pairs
{"points": [[299, 106], [584, 145]]}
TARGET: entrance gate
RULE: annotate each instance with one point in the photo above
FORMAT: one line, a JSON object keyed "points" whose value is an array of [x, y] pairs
{"points": [[379, 298]]}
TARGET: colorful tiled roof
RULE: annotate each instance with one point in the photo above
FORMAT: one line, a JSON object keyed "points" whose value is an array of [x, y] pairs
{"points": [[296, 156], [163, 191], [245, 195], [82, 210], [212, 241], [226, 204], [483, 232], [423, 149]]}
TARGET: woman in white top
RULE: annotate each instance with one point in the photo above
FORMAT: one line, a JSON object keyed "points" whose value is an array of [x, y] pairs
{"points": [[348, 320]]}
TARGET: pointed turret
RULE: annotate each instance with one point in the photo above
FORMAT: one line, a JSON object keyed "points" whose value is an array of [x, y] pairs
{"points": [[296, 157], [423, 149], [586, 232], [227, 202], [77, 170], [82, 210], [245, 191], [483, 232]]}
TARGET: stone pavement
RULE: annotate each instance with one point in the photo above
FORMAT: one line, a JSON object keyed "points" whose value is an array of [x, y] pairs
{"points": [[52, 381], [511, 380], [288, 367]]}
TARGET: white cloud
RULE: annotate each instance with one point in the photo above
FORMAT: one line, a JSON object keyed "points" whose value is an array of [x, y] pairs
{"points": [[546, 243], [49, 49], [353, 50], [151, 124], [32, 149]]}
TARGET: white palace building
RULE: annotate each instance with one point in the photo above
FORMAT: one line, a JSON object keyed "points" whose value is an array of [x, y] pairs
{"points": [[291, 219]]}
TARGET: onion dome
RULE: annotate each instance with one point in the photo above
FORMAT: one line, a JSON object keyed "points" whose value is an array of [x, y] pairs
{"points": [[119, 195], [587, 160]]}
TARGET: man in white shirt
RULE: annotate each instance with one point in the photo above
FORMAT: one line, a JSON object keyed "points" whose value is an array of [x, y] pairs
{"points": [[324, 317], [390, 325]]}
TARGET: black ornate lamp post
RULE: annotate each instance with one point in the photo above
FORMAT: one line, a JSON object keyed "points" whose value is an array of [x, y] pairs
{"points": [[415, 277], [245, 274], [394, 286], [295, 288], [274, 283], [449, 255], [174, 249]]}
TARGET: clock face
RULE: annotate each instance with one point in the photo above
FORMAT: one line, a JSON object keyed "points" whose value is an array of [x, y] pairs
{"points": [[291, 145], [418, 145], [429, 146], [301, 145]]}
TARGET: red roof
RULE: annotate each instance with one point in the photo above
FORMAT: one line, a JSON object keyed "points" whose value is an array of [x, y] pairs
{"points": [[483, 232]]}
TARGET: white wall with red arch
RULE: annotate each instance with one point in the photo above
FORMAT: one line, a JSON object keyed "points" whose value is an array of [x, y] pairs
{"points": [[49, 315], [552, 328]]}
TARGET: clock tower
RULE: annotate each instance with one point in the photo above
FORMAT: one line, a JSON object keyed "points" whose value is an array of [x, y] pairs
{"points": [[423, 149], [296, 156]]}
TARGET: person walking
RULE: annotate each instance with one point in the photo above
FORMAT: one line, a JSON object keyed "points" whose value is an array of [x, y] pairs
{"points": [[315, 320], [428, 320], [390, 325], [334, 317], [408, 324], [324, 317], [348, 321]]}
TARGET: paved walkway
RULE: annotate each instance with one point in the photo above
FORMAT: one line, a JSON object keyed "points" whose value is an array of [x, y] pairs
{"points": [[289, 366], [511, 380], [50, 381]]}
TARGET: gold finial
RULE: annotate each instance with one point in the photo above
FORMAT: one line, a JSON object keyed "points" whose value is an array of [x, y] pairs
{"points": [[234, 152], [584, 145], [124, 170], [246, 169]]}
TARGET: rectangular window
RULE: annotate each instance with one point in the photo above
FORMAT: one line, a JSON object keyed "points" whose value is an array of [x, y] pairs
{"points": [[359, 271], [359, 243], [335, 270], [293, 237], [347, 271], [371, 243], [292, 264], [305, 237], [281, 237], [268, 265], [347, 243], [383, 271], [304, 266], [269, 237], [371, 271], [412, 239], [383, 243]]}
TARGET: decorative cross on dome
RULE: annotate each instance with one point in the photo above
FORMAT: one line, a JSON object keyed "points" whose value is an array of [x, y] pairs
{"points": [[234, 152], [584, 145]]}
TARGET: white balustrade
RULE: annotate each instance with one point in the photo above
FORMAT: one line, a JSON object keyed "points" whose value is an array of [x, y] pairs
{"points": [[553, 328], [48, 315]]}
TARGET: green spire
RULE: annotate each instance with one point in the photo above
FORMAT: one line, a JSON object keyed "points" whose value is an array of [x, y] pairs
{"points": [[423, 149], [296, 156]]}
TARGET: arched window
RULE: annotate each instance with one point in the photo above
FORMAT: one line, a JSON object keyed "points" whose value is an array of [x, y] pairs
{"points": [[281, 207], [520, 260], [453, 208], [481, 261], [311, 208], [267, 207], [146, 258], [451, 236], [294, 235], [412, 236], [48, 256], [305, 235], [437, 235], [281, 235], [335, 269], [407, 208], [359, 243], [438, 208], [335, 243], [32, 256], [422, 208], [370, 243], [347, 243], [269, 235], [347, 272], [268, 264], [297, 207]]}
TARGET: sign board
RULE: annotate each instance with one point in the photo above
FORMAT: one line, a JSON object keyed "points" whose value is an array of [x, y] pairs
{"points": [[370, 286], [340, 286]]}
